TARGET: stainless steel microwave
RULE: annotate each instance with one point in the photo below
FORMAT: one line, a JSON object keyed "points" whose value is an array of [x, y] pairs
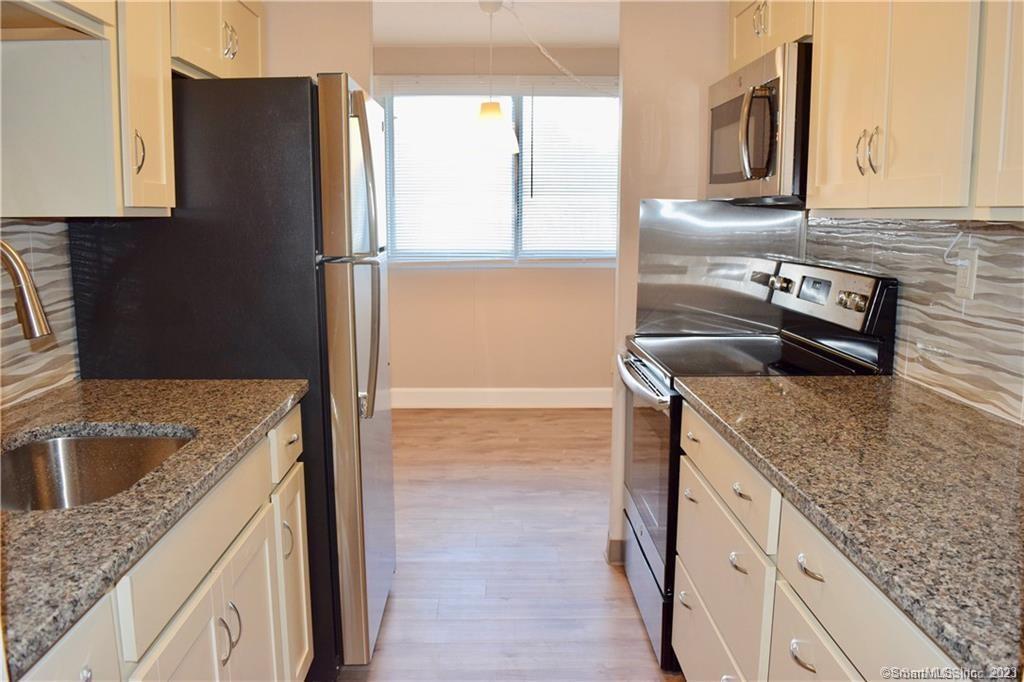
{"points": [[759, 123]]}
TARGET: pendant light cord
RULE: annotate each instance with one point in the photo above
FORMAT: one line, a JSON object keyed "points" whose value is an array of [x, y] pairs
{"points": [[490, 57]]}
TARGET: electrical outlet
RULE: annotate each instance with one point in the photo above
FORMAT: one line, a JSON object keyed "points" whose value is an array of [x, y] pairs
{"points": [[966, 273]]}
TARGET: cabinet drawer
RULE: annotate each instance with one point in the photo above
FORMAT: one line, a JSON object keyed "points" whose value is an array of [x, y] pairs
{"points": [[754, 501], [151, 592], [801, 649], [285, 444], [869, 628], [698, 645], [88, 647], [735, 578]]}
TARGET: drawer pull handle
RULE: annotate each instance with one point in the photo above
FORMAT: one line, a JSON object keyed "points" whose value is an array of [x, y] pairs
{"points": [[224, 624], [794, 651], [231, 605], [293, 439], [291, 539], [727, 678], [691, 437], [689, 495], [85, 675], [801, 560], [738, 489], [734, 561], [682, 599]]}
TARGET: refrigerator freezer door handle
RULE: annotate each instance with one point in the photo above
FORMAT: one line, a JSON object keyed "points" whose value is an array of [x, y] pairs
{"points": [[359, 107]]}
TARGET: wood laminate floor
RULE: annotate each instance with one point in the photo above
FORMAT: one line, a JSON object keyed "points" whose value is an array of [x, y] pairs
{"points": [[502, 516]]}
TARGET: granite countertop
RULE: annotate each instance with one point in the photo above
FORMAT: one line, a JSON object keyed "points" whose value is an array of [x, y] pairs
{"points": [[57, 564], [922, 493]]}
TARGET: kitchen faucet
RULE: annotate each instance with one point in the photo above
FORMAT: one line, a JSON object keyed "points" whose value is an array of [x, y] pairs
{"points": [[26, 297]]}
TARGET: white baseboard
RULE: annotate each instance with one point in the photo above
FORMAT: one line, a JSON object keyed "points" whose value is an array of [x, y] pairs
{"points": [[461, 398]]}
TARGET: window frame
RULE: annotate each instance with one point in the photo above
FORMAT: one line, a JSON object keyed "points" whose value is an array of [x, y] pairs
{"points": [[517, 260]]}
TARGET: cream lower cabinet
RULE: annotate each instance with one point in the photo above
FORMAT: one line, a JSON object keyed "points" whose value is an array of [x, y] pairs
{"points": [[289, 503], [892, 104], [87, 652], [1000, 155]]}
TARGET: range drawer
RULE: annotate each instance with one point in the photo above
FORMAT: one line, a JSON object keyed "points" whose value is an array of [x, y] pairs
{"points": [[698, 645], [866, 625], [285, 444], [801, 649], [735, 578], [748, 494]]}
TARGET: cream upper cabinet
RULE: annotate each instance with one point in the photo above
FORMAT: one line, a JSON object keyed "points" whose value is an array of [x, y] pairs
{"points": [[849, 41], [1000, 155], [196, 34], [243, 50], [219, 38], [892, 116], [101, 10], [759, 27], [144, 40]]}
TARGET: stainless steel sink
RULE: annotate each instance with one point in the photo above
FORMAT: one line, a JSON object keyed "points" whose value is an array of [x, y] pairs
{"points": [[59, 473]]}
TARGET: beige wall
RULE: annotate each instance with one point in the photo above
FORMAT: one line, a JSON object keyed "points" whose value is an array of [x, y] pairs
{"points": [[515, 328], [669, 53], [512, 61], [500, 336], [305, 38]]}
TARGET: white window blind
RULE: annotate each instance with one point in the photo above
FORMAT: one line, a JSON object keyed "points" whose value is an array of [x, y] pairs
{"points": [[453, 197], [569, 176]]}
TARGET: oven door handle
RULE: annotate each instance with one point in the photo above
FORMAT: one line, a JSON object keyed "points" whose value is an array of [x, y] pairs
{"points": [[630, 378]]}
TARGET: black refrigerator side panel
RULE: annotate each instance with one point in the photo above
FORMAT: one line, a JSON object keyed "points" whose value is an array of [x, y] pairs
{"points": [[227, 287]]}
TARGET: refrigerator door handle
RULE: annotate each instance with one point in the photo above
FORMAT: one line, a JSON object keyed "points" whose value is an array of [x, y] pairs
{"points": [[368, 402], [359, 108]]}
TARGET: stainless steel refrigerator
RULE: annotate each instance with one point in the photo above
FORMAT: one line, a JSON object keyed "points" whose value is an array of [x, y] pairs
{"points": [[272, 265]]}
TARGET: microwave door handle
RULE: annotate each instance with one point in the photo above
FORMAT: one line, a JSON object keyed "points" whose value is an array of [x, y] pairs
{"points": [[748, 98], [359, 106], [637, 386]]}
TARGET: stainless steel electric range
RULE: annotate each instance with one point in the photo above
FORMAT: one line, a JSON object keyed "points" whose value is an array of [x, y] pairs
{"points": [[721, 293]]}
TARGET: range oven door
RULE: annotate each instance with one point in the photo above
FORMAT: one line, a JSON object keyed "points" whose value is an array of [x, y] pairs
{"points": [[653, 412], [758, 130]]}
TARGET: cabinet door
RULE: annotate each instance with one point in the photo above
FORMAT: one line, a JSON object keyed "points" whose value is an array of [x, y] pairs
{"points": [[244, 57], [87, 650], [289, 501], [196, 34], [785, 21], [921, 145], [250, 602], [143, 38], [196, 644], [849, 44], [802, 650], [1001, 131], [745, 34]]}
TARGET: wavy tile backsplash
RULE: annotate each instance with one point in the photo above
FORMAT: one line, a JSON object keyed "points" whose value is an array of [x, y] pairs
{"points": [[972, 350], [28, 368]]}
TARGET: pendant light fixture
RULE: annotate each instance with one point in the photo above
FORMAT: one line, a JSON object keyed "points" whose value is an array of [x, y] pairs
{"points": [[495, 128]]}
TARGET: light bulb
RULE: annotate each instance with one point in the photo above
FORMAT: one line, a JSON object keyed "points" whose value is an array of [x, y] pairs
{"points": [[496, 129]]}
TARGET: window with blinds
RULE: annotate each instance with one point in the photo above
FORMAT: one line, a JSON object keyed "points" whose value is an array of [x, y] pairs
{"points": [[453, 197]]}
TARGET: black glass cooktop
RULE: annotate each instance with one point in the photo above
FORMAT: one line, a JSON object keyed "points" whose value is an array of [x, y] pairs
{"points": [[753, 355]]}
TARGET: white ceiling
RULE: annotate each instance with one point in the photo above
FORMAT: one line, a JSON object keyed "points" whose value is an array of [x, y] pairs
{"points": [[581, 23]]}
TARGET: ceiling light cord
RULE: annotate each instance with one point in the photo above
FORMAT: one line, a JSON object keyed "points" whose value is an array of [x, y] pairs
{"points": [[490, 57], [547, 55]]}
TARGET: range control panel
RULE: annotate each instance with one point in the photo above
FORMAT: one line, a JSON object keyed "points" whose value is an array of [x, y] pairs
{"points": [[839, 296]]}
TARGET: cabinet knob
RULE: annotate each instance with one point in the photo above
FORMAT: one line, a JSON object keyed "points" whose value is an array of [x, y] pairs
{"points": [[293, 439], [734, 561], [85, 675], [689, 495], [738, 490], [801, 560], [691, 437], [794, 652], [682, 599]]}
